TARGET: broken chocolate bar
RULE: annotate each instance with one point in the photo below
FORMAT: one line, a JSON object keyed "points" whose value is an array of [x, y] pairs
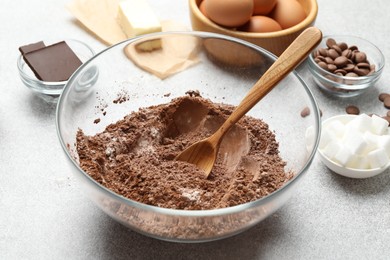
{"points": [[31, 47], [55, 62]]}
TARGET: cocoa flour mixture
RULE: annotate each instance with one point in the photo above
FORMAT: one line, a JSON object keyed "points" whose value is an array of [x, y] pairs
{"points": [[134, 157]]}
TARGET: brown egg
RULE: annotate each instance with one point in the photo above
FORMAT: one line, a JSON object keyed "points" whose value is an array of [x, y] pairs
{"points": [[263, 7], [202, 9], [229, 13], [261, 24], [288, 13]]}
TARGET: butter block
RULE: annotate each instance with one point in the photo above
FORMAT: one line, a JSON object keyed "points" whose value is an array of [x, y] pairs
{"points": [[136, 17]]}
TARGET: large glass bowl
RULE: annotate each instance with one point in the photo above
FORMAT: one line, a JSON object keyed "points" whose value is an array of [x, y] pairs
{"points": [[223, 69]]}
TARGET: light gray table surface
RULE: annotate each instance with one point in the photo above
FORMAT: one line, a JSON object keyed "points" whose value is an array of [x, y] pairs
{"points": [[44, 214]]}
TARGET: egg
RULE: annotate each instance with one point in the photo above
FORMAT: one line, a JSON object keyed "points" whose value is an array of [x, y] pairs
{"points": [[229, 13], [261, 24], [263, 7], [202, 9], [288, 13]]}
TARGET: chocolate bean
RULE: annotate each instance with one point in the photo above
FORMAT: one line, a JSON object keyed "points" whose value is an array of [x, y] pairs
{"points": [[363, 65], [382, 96], [323, 65], [305, 112], [347, 53], [386, 102], [343, 46], [352, 110], [333, 53], [360, 57], [330, 42], [349, 67], [340, 61], [337, 48], [353, 47], [332, 67], [323, 52], [340, 71], [360, 71], [329, 60]]}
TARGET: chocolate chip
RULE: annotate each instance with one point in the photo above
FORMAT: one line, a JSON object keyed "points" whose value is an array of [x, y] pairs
{"points": [[352, 110], [333, 54], [342, 56], [382, 96], [360, 57], [305, 112], [341, 61], [386, 102], [351, 74], [343, 46], [330, 42]]}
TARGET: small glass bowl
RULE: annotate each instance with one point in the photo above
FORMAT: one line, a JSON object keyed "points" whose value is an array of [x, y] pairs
{"points": [[343, 86], [50, 91]]}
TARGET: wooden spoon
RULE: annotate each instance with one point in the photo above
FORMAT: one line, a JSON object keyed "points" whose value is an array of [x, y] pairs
{"points": [[204, 153]]}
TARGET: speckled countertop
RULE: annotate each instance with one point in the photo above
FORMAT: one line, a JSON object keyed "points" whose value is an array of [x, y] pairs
{"points": [[44, 214]]}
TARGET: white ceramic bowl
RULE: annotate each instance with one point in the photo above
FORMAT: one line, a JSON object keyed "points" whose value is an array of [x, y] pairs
{"points": [[342, 170]]}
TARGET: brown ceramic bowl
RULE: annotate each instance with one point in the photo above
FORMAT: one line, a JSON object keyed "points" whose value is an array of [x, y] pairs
{"points": [[275, 42]]}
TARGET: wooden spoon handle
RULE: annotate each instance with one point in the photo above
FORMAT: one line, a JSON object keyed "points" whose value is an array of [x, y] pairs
{"points": [[288, 60]]}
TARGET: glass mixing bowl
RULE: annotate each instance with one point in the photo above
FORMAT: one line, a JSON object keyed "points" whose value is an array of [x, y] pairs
{"points": [[223, 69]]}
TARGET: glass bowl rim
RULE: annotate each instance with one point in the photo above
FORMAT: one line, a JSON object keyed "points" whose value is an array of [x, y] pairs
{"points": [[315, 68], [180, 212]]}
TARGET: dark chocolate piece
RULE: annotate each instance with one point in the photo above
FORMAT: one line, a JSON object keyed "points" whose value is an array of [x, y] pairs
{"points": [[55, 62], [31, 47]]}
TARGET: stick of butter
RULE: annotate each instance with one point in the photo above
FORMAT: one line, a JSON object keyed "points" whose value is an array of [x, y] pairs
{"points": [[136, 17]]}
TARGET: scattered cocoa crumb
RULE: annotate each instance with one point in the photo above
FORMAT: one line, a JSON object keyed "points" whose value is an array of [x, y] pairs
{"points": [[167, 94], [96, 121], [122, 96], [193, 93]]}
